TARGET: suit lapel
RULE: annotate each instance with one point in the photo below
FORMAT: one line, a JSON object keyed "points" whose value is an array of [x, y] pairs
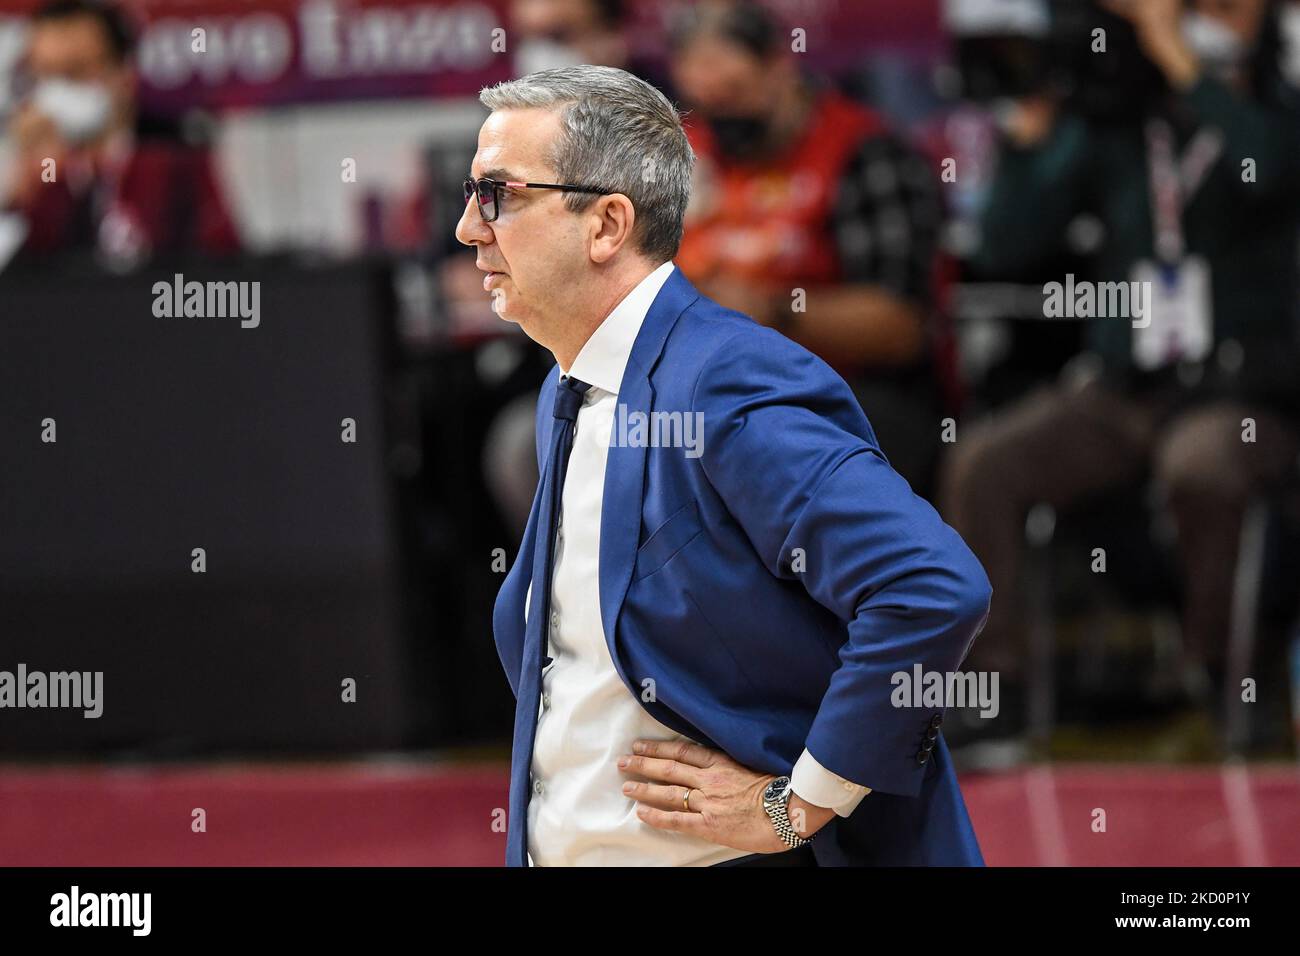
{"points": [[620, 516]]}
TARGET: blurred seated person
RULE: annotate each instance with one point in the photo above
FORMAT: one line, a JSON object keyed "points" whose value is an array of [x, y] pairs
{"points": [[1166, 395], [799, 188], [87, 175]]}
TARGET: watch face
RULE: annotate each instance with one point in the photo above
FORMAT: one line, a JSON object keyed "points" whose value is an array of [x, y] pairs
{"points": [[774, 789]]}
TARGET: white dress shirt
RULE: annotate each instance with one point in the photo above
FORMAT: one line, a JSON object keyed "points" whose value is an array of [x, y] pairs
{"points": [[578, 814]]}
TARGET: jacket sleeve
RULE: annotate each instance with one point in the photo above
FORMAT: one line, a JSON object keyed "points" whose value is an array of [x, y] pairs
{"points": [[793, 457]]}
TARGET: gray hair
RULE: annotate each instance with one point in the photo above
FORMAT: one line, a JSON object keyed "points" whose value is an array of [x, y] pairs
{"points": [[617, 132]]}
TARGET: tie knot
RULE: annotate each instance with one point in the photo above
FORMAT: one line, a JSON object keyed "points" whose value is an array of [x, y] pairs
{"points": [[568, 397]]}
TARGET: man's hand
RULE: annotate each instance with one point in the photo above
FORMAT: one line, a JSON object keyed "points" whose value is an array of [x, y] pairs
{"points": [[1030, 121], [36, 139], [726, 798]]}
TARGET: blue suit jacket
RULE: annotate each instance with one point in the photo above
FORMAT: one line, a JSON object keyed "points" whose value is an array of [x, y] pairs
{"points": [[772, 585]]}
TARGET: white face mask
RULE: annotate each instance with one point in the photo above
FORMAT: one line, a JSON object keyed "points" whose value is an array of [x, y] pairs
{"points": [[1214, 44], [536, 55], [80, 111]]}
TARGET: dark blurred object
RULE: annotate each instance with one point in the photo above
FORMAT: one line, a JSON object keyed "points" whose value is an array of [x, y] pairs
{"points": [[183, 433], [996, 67], [1008, 49], [1117, 86], [1003, 47]]}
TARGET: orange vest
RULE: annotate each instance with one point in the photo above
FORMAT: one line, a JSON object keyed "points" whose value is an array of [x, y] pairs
{"points": [[770, 222]]}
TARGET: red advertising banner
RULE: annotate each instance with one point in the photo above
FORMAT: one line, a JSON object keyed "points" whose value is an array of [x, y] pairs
{"points": [[262, 52], [266, 52]]}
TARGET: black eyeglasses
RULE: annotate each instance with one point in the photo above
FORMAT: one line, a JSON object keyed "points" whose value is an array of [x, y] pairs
{"points": [[488, 192]]}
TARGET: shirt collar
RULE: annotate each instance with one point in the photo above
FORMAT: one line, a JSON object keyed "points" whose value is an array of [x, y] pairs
{"points": [[603, 359]]}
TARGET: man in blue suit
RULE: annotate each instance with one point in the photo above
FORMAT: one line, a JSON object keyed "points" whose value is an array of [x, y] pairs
{"points": [[722, 578]]}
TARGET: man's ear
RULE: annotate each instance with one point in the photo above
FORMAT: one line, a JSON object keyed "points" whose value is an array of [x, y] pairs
{"points": [[611, 220]]}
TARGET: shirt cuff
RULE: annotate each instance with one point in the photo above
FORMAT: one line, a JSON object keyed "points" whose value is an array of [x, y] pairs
{"points": [[822, 788]]}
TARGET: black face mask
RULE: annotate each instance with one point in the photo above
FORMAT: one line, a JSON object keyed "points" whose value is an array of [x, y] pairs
{"points": [[739, 137]]}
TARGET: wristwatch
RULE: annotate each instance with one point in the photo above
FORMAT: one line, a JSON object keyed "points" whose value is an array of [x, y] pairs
{"points": [[776, 801]]}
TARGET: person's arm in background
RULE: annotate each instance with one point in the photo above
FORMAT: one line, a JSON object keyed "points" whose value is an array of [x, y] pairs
{"points": [[885, 225], [1251, 131], [794, 459], [885, 221], [44, 205]]}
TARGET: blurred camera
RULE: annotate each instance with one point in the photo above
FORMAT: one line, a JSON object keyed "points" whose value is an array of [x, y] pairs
{"points": [[1010, 49]]}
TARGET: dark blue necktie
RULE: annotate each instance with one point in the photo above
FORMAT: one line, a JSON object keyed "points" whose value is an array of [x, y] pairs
{"points": [[568, 399]]}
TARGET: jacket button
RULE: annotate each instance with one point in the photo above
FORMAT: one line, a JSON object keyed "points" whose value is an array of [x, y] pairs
{"points": [[923, 756], [927, 744], [936, 720], [931, 733]]}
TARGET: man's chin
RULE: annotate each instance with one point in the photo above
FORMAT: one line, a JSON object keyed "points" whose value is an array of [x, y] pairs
{"points": [[508, 308]]}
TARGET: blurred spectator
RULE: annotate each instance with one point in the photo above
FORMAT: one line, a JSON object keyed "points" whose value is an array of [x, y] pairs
{"points": [[1199, 195], [799, 188], [88, 174], [549, 34]]}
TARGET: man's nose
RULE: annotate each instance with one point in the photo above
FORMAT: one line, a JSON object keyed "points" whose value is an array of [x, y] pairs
{"points": [[471, 229]]}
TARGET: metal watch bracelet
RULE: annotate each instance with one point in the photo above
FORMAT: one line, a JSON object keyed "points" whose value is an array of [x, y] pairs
{"points": [[777, 807]]}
